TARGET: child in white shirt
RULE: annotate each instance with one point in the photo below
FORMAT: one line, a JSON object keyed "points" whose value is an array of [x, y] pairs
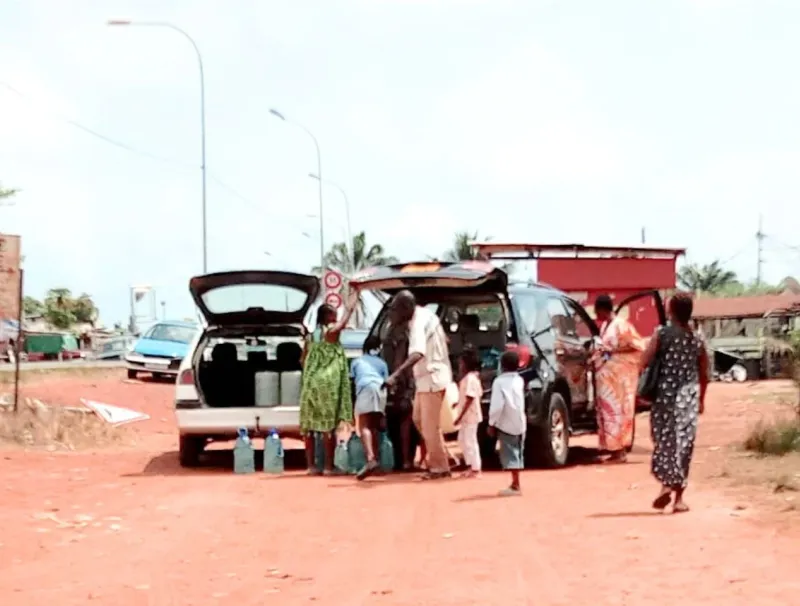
{"points": [[507, 418], [469, 417]]}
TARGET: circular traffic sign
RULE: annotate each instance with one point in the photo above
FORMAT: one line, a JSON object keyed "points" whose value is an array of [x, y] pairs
{"points": [[334, 300], [333, 281]]}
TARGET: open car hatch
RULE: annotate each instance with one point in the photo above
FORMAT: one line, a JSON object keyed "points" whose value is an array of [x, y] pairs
{"points": [[432, 274], [254, 297]]}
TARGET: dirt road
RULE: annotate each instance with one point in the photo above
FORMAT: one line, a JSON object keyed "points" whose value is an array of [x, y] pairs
{"points": [[128, 527]]}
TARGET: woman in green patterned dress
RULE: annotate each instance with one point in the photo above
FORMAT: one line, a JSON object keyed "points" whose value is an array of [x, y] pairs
{"points": [[325, 396]]}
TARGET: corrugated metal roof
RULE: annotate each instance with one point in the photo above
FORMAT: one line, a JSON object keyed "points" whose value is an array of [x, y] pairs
{"points": [[742, 307]]}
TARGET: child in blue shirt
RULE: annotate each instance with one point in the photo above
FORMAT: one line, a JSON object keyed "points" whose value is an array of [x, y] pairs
{"points": [[370, 373]]}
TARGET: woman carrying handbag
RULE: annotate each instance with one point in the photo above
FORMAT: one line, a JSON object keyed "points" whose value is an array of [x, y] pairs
{"points": [[675, 378]]}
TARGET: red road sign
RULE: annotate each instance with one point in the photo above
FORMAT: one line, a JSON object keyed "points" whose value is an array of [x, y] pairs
{"points": [[334, 299], [332, 280]]}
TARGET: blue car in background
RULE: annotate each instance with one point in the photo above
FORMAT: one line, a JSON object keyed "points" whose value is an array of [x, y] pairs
{"points": [[352, 340], [160, 350]]}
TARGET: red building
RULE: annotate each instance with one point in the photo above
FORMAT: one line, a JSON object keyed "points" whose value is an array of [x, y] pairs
{"points": [[584, 272]]}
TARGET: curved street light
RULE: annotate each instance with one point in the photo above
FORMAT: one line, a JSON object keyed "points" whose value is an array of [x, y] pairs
{"points": [[278, 114], [346, 210], [128, 22]]}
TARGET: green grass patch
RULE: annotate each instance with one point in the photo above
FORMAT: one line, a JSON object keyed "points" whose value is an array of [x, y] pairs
{"points": [[778, 437]]}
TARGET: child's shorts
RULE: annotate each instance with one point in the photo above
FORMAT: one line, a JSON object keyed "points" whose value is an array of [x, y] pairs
{"points": [[511, 450]]}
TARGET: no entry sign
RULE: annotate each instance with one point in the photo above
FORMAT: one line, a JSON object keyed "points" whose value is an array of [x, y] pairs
{"points": [[334, 299]]}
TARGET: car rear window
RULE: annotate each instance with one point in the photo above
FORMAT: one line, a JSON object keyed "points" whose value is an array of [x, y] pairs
{"points": [[241, 297]]}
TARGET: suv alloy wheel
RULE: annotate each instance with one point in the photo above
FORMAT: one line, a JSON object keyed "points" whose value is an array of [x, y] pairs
{"points": [[548, 444]]}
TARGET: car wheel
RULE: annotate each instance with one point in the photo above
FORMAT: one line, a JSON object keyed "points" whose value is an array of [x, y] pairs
{"points": [[189, 450], [548, 444], [131, 374]]}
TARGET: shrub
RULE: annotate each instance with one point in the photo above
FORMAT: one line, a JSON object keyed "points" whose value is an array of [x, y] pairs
{"points": [[778, 437]]}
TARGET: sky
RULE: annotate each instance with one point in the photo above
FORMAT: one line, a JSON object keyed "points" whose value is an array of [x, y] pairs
{"points": [[530, 120]]}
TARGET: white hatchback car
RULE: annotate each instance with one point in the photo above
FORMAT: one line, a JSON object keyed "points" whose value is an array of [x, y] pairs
{"points": [[243, 369]]}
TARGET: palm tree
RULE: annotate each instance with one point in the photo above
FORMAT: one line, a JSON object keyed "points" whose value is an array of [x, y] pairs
{"points": [[6, 194], [349, 260], [462, 251], [711, 278]]}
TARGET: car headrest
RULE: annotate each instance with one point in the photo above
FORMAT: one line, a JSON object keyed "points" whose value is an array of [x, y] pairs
{"points": [[288, 355], [224, 353], [469, 322]]}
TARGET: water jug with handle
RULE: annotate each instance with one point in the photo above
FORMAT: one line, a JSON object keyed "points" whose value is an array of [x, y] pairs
{"points": [[273, 453], [341, 458], [244, 459], [386, 453], [356, 454]]}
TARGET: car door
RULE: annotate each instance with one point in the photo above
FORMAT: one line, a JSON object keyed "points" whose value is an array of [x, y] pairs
{"points": [[636, 305], [582, 330], [571, 355]]}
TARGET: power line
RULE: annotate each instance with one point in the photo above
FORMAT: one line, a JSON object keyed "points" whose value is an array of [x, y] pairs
{"points": [[134, 150]]}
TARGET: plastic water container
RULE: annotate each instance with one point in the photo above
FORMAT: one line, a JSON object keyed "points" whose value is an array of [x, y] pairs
{"points": [[244, 459], [355, 451], [267, 388], [273, 453], [290, 387], [341, 458], [386, 452]]}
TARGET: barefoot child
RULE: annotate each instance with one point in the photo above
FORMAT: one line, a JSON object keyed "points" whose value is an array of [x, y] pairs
{"points": [[469, 407], [507, 418], [369, 373]]}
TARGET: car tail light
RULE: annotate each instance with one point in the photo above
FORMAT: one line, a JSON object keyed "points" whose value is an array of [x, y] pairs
{"points": [[186, 377], [523, 352]]}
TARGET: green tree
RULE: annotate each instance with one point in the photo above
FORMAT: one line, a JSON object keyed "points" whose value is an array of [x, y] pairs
{"points": [[6, 193], [62, 311], [462, 251], [32, 306], [351, 259], [748, 289], [84, 309], [711, 278]]}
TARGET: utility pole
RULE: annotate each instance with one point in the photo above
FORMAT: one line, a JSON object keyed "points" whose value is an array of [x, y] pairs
{"points": [[643, 238], [760, 240]]}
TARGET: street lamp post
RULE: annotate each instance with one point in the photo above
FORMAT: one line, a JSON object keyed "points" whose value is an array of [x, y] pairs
{"points": [[278, 114], [347, 214], [127, 22]]}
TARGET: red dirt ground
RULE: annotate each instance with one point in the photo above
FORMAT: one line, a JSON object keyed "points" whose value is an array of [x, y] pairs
{"points": [[129, 527]]}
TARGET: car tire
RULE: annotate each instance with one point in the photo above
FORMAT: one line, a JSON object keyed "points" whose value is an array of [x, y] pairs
{"points": [[132, 374], [189, 450], [547, 445]]}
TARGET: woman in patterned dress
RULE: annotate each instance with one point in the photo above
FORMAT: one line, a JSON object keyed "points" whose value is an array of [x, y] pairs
{"points": [[325, 394], [616, 379], [680, 397]]}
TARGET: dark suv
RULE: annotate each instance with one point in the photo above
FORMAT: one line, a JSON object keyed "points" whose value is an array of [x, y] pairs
{"points": [[553, 334]]}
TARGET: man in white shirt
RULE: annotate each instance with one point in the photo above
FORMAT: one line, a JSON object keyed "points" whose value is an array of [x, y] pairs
{"points": [[507, 418], [429, 356]]}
